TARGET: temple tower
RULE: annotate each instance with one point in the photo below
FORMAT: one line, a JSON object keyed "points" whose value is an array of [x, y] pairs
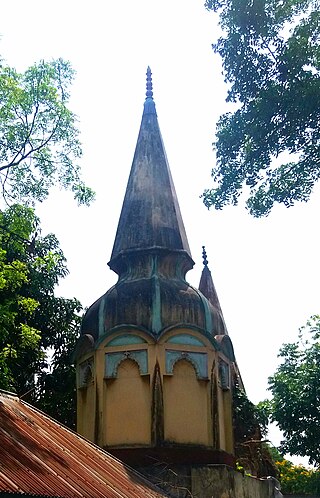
{"points": [[155, 364]]}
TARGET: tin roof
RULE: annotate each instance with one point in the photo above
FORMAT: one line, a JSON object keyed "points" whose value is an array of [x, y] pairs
{"points": [[38, 456]]}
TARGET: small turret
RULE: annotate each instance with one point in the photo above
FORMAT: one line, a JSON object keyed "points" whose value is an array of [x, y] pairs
{"points": [[206, 285]]}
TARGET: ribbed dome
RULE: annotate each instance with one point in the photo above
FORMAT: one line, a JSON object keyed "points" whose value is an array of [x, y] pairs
{"points": [[153, 299]]}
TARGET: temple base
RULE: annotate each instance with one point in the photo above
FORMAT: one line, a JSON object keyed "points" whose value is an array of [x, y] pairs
{"points": [[181, 455]]}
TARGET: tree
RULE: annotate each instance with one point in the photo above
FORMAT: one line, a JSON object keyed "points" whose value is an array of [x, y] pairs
{"points": [[39, 148], [39, 144], [37, 330], [249, 421], [55, 388], [250, 425], [269, 145], [297, 479], [295, 388]]}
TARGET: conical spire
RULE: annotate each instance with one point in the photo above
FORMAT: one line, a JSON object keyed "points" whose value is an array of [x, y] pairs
{"points": [[150, 216], [206, 286]]}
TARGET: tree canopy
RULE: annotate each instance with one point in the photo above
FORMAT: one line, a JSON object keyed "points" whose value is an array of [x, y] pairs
{"points": [[39, 148], [39, 139], [295, 388], [250, 426], [297, 479], [269, 146], [37, 330]]}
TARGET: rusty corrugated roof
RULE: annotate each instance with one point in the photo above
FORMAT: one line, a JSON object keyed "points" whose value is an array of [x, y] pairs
{"points": [[39, 456]]}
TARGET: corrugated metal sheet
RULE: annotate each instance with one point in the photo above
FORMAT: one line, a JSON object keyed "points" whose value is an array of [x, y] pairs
{"points": [[39, 456]]}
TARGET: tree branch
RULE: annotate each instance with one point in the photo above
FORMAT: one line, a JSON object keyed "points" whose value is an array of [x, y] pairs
{"points": [[32, 150]]}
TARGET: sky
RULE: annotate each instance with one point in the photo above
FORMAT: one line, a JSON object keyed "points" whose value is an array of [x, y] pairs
{"points": [[266, 271]]}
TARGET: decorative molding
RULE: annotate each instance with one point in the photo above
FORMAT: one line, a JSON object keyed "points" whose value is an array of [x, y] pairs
{"points": [[113, 360], [224, 375], [198, 360], [86, 372]]}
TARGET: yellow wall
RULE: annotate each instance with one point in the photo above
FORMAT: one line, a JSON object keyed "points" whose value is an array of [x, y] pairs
{"points": [[227, 405], [226, 438], [127, 407], [117, 411], [86, 411], [185, 406]]}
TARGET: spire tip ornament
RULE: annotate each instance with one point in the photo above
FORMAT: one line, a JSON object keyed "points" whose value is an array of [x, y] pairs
{"points": [[149, 92], [204, 257]]}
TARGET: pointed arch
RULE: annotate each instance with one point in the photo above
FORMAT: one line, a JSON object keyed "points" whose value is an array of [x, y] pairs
{"points": [[185, 357], [198, 360], [113, 360]]}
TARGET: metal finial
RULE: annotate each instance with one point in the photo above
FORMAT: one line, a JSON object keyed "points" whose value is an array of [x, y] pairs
{"points": [[204, 256], [149, 92]]}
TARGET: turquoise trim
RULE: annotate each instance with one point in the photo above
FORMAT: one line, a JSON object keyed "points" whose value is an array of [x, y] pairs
{"points": [[185, 339], [126, 327], [189, 326], [198, 360], [124, 340], [101, 317], [113, 361], [155, 339]]}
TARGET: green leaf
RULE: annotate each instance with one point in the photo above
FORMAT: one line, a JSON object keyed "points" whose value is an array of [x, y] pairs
{"points": [[295, 388], [39, 138], [271, 60]]}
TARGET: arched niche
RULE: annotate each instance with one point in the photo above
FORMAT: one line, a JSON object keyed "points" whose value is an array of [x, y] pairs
{"points": [[199, 361], [127, 407], [185, 405], [114, 360], [85, 373]]}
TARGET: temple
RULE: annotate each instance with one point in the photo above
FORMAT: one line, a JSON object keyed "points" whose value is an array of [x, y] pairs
{"points": [[155, 364]]}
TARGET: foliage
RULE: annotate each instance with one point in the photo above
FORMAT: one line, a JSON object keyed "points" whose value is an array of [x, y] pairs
{"points": [[275, 453], [250, 421], [39, 145], [250, 425], [56, 388], [295, 387], [270, 145], [35, 326], [297, 479]]}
